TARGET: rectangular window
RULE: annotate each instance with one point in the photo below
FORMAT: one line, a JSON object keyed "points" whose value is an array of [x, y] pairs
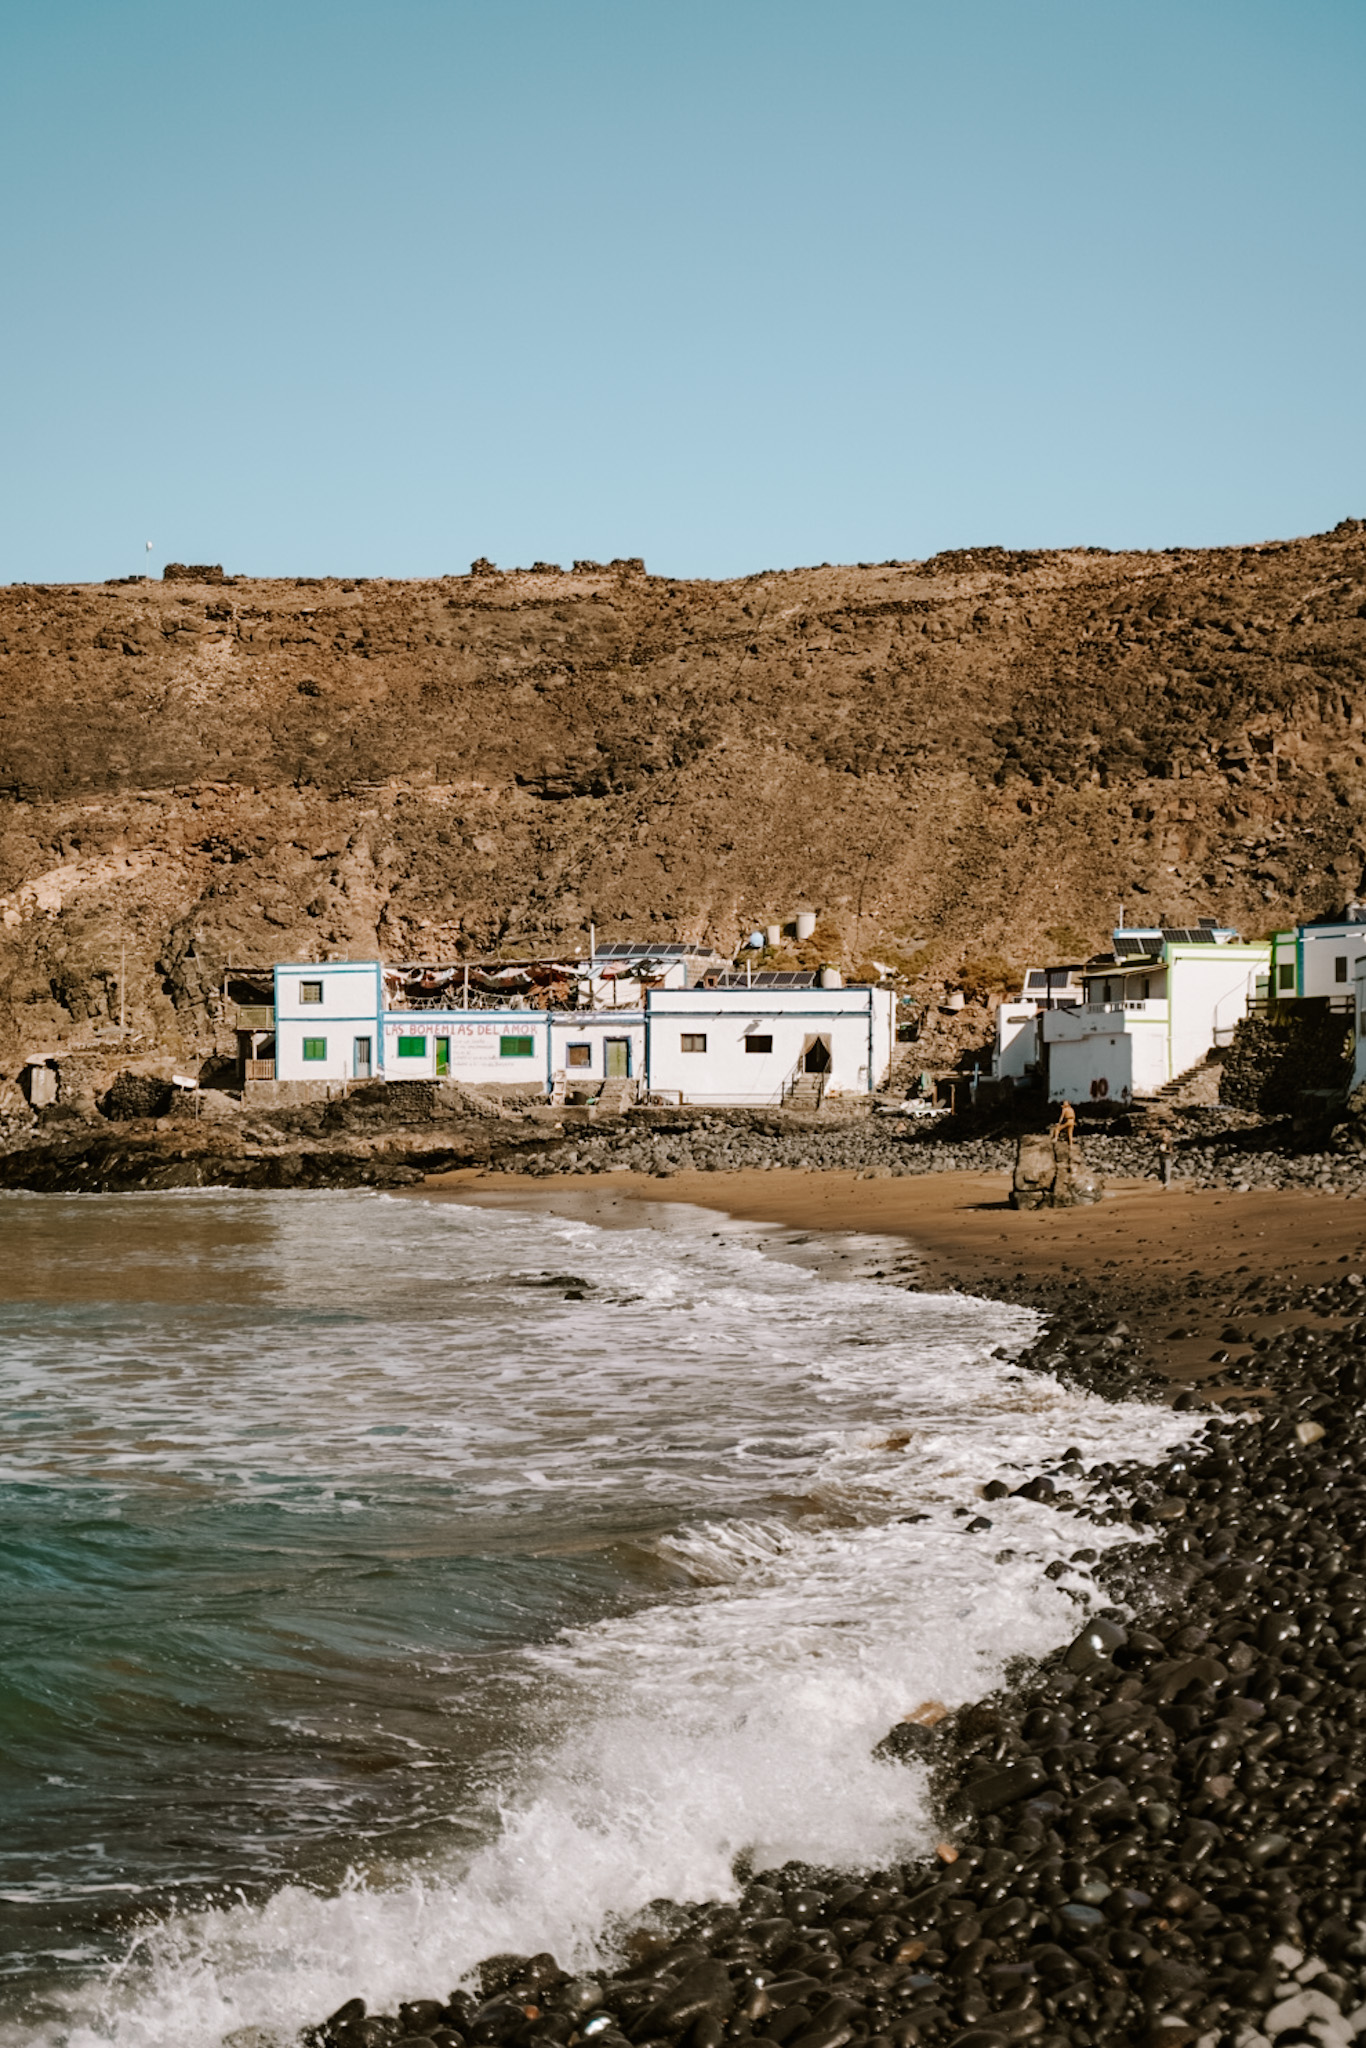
{"points": [[315, 1048], [412, 1048], [510, 1048], [759, 1042], [694, 1041], [1285, 975], [580, 1055], [310, 991], [1340, 967]]}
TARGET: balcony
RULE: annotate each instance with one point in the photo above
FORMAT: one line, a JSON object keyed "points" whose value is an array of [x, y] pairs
{"points": [[255, 1017], [1083, 1020], [258, 1070]]}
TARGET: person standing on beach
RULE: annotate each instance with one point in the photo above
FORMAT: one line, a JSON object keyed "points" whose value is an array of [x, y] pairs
{"points": [[1165, 1155], [1066, 1125]]}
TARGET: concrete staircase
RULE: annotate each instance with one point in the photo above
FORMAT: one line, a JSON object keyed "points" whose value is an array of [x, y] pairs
{"points": [[807, 1091], [615, 1096], [1198, 1087]]}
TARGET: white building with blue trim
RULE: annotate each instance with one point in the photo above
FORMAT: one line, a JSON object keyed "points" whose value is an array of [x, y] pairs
{"points": [[728, 1039], [1318, 959]]}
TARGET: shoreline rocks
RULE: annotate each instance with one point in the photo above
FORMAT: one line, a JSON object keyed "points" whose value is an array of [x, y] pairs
{"points": [[367, 1137], [1156, 1835]]}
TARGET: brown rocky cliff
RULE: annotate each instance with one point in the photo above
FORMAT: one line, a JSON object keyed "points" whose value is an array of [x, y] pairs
{"points": [[981, 754]]}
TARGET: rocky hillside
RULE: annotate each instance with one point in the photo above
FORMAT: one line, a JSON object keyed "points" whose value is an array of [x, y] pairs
{"points": [[979, 755]]}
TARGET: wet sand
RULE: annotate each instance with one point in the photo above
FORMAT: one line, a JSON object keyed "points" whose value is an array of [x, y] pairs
{"points": [[1140, 1238]]}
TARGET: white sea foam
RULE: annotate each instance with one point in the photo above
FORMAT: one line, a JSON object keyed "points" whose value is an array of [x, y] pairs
{"points": [[793, 1422]]}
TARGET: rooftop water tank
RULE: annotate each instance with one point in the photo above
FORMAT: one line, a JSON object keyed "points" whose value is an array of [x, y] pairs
{"points": [[806, 923], [831, 978], [773, 934]]}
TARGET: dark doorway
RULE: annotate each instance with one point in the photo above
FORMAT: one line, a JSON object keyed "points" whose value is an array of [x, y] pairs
{"points": [[816, 1056]]}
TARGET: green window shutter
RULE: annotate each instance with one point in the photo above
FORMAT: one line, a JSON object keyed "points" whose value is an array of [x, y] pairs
{"points": [[315, 1048], [412, 1048], [510, 1048]]}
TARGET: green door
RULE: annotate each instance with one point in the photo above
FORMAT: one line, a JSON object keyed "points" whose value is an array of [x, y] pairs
{"points": [[443, 1057], [618, 1058]]}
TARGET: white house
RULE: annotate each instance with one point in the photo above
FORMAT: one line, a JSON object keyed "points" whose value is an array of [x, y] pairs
{"points": [[342, 1021], [1018, 1054], [328, 1022], [1153, 1009], [1319, 959], [764, 1045], [345, 1021]]}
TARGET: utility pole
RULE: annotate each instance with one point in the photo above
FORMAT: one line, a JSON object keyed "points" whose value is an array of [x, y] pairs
{"points": [[123, 988]]}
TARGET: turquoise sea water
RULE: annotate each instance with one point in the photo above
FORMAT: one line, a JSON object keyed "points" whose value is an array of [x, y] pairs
{"points": [[386, 1582]]}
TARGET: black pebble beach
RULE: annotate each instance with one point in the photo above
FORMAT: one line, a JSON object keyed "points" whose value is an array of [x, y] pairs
{"points": [[1155, 1836]]}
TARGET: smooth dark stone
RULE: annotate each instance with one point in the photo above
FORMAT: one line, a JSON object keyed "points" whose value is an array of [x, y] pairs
{"points": [[792, 2020], [787, 1990], [770, 1936], [420, 2015], [1004, 1788], [1097, 1641], [705, 1988], [826, 2037]]}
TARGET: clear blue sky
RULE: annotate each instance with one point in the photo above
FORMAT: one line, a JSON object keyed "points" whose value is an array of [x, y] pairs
{"points": [[314, 287]]}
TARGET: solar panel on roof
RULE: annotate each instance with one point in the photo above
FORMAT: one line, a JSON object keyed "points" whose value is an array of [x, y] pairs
{"points": [[625, 949], [1129, 949], [770, 978]]}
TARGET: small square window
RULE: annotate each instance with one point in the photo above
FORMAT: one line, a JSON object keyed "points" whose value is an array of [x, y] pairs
{"points": [[580, 1056], [1340, 967], [412, 1048], [694, 1041], [516, 1048], [1285, 975], [315, 1048], [759, 1042], [310, 991]]}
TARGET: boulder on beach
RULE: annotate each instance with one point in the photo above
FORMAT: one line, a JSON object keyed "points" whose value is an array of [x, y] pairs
{"points": [[1050, 1173]]}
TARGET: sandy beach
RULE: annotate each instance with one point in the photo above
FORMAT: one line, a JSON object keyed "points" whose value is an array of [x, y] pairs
{"points": [[1141, 1244]]}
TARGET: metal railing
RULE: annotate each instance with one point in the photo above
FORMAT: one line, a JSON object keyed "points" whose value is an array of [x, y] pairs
{"points": [[1343, 1005], [793, 1084]]}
